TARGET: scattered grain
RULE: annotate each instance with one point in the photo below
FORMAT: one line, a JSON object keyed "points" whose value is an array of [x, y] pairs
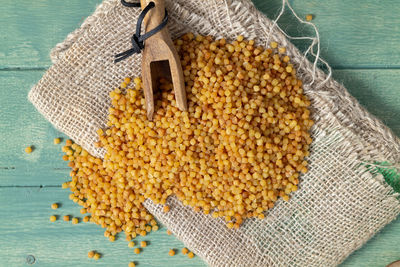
{"points": [[190, 255], [172, 252], [91, 254], [56, 141], [96, 256], [240, 146]]}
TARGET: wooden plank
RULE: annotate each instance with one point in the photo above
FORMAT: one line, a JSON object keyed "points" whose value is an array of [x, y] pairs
{"points": [[377, 90], [359, 33], [356, 34], [29, 29], [26, 230], [379, 251], [22, 125]]}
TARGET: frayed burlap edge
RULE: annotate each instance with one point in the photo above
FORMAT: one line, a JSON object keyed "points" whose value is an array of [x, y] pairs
{"points": [[339, 206]]}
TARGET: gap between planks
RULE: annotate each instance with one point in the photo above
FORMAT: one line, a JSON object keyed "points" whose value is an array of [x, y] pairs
{"points": [[334, 67], [30, 186]]}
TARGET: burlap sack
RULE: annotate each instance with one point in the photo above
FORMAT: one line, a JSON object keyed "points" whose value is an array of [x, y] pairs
{"points": [[340, 203]]}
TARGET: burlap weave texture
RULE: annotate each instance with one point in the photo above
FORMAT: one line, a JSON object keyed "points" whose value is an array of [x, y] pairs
{"points": [[339, 205]]}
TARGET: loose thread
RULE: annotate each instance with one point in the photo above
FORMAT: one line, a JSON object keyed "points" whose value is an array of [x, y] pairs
{"points": [[315, 42]]}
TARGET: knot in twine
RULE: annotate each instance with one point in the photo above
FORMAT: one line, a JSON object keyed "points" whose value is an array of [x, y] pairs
{"points": [[137, 38]]}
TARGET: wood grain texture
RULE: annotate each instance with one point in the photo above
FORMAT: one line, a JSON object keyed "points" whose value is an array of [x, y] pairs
{"points": [[381, 250], [160, 59], [26, 230], [359, 33], [20, 126], [353, 34], [377, 90], [29, 29], [359, 38], [45, 167]]}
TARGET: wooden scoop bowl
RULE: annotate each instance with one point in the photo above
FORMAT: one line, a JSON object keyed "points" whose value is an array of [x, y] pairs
{"points": [[160, 59]]}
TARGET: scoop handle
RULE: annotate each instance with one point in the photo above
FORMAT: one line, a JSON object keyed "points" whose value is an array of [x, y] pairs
{"points": [[155, 15]]}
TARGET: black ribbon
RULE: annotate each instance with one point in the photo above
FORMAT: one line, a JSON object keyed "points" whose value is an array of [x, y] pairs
{"points": [[137, 39]]}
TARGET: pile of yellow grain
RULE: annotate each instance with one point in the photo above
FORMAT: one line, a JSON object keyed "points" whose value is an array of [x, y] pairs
{"points": [[240, 146]]}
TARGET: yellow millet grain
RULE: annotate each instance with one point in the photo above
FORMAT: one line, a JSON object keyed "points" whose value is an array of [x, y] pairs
{"points": [[91, 254], [240, 146], [113, 207], [56, 141], [96, 256], [166, 209]]}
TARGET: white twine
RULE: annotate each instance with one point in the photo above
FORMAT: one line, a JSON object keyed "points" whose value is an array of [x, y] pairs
{"points": [[315, 41], [320, 227]]}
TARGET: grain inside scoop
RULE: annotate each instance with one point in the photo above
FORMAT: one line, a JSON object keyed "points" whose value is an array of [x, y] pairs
{"points": [[160, 59]]}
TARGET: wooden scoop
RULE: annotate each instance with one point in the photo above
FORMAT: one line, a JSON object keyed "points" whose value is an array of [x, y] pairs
{"points": [[160, 59]]}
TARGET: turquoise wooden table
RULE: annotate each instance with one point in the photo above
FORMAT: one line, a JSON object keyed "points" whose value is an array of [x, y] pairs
{"points": [[359, 38]]}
